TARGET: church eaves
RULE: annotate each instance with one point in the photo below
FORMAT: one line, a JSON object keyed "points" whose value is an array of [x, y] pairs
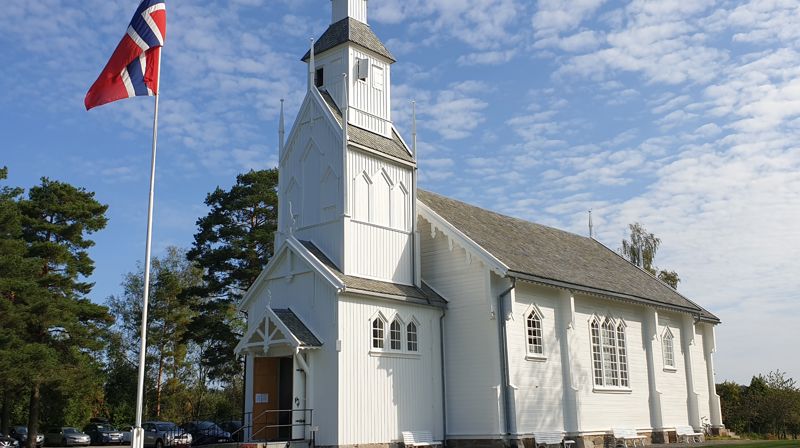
{"points": [[349, 30]]}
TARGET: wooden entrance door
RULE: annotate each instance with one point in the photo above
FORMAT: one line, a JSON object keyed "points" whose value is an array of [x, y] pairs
{"points": [[272, 391], [266, 376]]}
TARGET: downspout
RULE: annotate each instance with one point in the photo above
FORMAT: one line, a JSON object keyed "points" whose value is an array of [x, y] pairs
{"points": [[506, 393], [444, 378]]}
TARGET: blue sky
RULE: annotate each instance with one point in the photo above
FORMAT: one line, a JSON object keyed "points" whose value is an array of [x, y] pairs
{"points": [[684, 116]]}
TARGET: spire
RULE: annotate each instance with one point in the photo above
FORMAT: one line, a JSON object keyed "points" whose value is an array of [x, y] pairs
{"points": [[281, 131], [414, 128], [355, 9], [312, 68], [591, 227]]}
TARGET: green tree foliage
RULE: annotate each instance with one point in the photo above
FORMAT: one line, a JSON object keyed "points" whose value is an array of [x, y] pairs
{"points": [[169, 315], [57, 332], [769, 405], [641, 249], [232, 245]]}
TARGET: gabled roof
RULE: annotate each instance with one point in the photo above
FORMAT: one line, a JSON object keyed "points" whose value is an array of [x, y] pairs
{"points": [[349, 30], [393, 147], [298, 329], [423, 295], [552, 256]]}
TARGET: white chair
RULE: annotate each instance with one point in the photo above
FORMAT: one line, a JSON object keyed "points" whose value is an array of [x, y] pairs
{"points": [[545, 438], [418, 438], [624, 435], [687, 434]]}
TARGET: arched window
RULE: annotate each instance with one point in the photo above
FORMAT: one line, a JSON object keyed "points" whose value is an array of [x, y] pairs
{"points": [[597, 359], [534, 333], [668, 349], [609, 353], [622, 350], [377, 333], [395, 335], [610, 362], [411, 336]]}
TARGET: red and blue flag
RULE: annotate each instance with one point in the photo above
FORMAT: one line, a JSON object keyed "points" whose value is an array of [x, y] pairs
{"points": [[133, 68]]}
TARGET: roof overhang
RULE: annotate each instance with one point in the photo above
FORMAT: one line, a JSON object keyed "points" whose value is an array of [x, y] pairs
{"points": [[270, 335], [472, 248], [607, 294]]}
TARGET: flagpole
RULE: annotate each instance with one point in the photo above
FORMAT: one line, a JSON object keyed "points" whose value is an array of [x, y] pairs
{"points": [[138, 432]]}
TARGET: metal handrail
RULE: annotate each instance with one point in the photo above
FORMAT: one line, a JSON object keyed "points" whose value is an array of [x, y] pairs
{"points": [[300, 422]]}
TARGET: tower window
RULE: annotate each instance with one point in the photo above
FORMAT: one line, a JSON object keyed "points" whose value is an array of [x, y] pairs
{"points": [[319, 77]]}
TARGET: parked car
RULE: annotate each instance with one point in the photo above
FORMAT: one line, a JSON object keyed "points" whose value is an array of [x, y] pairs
{"points": [[235, 428], [8, 442], [161, 434], [103, 434], [66, 436], [21, 434], [127, 434], [205, 432]]}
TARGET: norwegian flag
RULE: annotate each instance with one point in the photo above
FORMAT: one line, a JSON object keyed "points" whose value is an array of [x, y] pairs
{"points": [[133, 68]]}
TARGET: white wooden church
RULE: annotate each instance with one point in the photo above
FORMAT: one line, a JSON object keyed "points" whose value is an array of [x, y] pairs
{"points": [[387, 308]]}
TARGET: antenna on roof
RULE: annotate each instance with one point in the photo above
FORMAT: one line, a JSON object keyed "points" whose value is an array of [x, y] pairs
{"points": [[312, 69], [414, 128], [281, 131], [591, 227]]}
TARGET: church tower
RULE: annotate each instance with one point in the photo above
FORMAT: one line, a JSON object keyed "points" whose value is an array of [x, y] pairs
{"points": [[348, 180]]}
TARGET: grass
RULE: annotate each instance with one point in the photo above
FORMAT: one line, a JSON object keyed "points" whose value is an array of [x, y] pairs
{"points": [[764, 444]]}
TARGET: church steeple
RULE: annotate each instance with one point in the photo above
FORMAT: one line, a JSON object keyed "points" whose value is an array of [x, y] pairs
{"points": [[350, 46], [356, 9]]}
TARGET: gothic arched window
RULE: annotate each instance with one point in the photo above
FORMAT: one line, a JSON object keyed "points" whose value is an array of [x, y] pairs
{"points": [[533, 325], [411, 337], [378, 333], [396, 335], [668, 349], [609, 353]]}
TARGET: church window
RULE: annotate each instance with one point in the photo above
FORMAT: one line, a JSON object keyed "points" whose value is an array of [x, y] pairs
{"points": [[395, 335], [609, 353], [610, 362], [597, 360], [668, 349], [411, 337], [622, 349], [377, 77], [319, 77], [534, 333], [377, 333]]}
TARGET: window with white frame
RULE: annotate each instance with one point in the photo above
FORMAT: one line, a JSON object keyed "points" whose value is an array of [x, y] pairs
{"points": [[411, 337], [396, 335], [668, 349], [378, 333], [533, 325], [609, 353]]}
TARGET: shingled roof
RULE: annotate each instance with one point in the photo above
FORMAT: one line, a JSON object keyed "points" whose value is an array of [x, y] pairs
{"points": [[349, 30], [553, 256], [393, 147], [423, 295], [298, 328]]}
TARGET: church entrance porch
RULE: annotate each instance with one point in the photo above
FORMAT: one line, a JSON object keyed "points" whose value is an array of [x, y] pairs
{"points": [[277, 345]]}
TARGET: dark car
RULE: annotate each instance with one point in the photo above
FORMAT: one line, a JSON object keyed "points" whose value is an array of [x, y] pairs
{"points": [[21, 434], [8, 442], [205, 432], [235, 428], [103, 434]]}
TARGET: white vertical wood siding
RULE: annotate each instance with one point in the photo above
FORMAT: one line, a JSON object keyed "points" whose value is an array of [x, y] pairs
{"points": [[333, 65], [539, 394], [294, 285], [600, 411], [356, 9], [378, 240], [700, 374], [671, 384], [471, 341], [380, 396], [311, 180], [370, 97]]}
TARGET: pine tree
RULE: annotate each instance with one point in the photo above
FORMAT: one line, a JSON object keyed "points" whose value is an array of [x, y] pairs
{"points": [[63, 330], [233, 244]]}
